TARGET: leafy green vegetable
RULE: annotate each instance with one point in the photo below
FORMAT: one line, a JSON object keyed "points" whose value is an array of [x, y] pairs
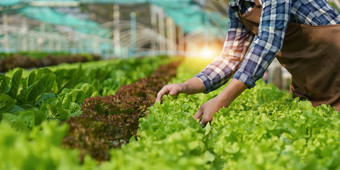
{"points": [[15, 121], [110, 121], [4, 83], [28, 117], [264, 128], [40, 149], [31, 78], [16, 79], [29, 95], [45, 96], [6, 102], [59, 91]]}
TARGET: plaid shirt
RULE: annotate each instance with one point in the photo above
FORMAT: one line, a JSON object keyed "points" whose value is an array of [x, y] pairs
{"points": [[250, 65]]}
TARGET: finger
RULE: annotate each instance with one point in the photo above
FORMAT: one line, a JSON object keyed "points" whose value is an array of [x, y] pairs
{"points": [[202, 124], [173, 92], [206, 118], [198, 114], [160, 94]]}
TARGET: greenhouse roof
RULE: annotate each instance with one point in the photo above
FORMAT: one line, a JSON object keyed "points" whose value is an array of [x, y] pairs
{"points": [[48, 15], [14, 2], [186, 13]]}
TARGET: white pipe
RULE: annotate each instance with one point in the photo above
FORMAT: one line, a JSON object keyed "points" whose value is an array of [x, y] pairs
{"points": [[161, 27], [5, 25], [116, 32], [170, 34], [153, 25], [24, 34]]}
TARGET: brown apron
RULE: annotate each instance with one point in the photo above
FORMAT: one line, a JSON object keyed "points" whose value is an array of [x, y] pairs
{"points": [[311, 54]]}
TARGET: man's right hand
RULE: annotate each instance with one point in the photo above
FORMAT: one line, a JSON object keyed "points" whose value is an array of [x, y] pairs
{"points": [[172, 89], [192, 86]]}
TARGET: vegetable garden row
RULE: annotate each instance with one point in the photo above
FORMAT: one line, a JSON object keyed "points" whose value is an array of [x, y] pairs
{"points": [[40, 59], [100, 115]]}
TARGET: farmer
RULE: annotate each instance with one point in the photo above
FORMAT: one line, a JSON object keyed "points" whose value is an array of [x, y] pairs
{"points": [[304, 35]]}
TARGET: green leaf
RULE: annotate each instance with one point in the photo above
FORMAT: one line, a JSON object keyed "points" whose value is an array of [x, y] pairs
{"points": [[39, 117], [44, 97], [96, 84], [16, 108], [6, 102], [49, 81], [30, 94], [28, 118], [78, 113], [31, 79], [4, 83], [62, 114], [16, 79], [67, 100], [15, 122], [231, 148], [35, 90], [75, 94], [55, 111], [132, 139], [74, 107], [27, 106], [22, 96], [62, 79], [209, 156], [207, 128]]}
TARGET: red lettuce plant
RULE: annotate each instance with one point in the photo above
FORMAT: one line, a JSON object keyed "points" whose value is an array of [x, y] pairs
{"points": [[110, 121]]}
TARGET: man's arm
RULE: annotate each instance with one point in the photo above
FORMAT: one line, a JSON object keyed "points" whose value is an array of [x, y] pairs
{"points": [[274, 21], [218, 72], [272, 28]]}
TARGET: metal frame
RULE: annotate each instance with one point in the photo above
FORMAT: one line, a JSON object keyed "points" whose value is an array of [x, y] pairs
{"points": [[127, 38]]}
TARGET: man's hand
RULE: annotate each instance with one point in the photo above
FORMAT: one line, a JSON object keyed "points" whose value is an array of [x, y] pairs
{"points": [[172, 89], [206, 111], [195, 85], [192, 86], [224, 99]]}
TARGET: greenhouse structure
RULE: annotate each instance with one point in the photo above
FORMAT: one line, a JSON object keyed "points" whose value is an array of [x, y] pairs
{"points": [[170, 25], [169, 84]]}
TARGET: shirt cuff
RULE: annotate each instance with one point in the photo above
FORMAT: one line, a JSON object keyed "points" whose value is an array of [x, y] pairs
{"points": [[206, 81], [245, 78]]}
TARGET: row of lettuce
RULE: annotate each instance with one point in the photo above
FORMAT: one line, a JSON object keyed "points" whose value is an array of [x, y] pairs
{"points": [[28, 60], [28, 97], [263, 129], [111, 121], [35, 105], [41, 111]]}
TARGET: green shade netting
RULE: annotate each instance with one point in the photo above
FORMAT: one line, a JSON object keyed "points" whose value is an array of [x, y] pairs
{"points": [[9, 2], [12, 2], [48, 15], [186, 14], [190, 17]]}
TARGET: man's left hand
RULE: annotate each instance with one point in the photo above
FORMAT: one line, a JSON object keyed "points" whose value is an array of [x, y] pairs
{"points": [[206, 111], [224, 99]]}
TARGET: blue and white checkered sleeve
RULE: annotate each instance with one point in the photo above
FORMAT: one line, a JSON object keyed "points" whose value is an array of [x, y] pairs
{"points": [[223, 66], [273, 25]]}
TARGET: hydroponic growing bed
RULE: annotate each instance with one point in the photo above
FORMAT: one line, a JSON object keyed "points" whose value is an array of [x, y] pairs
{"points": [[101, 115]]}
